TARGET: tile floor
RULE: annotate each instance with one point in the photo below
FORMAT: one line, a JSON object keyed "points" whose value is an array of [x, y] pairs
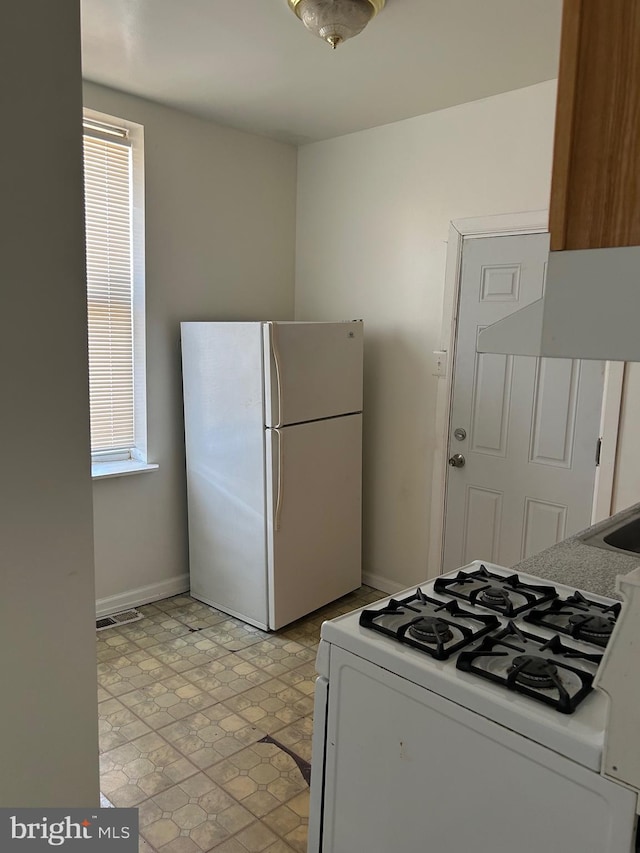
{"points": [[205, 726]]}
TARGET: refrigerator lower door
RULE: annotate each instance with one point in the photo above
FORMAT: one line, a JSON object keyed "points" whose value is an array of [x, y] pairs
{"points": [[312, 371], [314, 512]]}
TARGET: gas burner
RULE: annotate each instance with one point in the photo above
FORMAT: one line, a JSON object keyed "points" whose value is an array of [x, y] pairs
{"points": [[506, 594], [543, 669], [437, 628], [595, 629], [534, 671], [495, 596], [431, 629], [579, 617]]}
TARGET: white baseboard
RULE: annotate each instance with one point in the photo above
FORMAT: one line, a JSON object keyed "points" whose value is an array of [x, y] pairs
{"points": [[381, 583], [142, 595]]}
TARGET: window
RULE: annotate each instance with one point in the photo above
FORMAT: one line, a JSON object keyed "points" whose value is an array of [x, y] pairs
{"points": [[114, 219]]}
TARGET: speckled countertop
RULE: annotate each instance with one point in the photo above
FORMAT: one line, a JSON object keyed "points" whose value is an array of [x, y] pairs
{"points": [[574, 563]]}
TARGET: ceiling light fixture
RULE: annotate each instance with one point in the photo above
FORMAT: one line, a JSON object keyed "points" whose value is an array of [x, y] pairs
{"points": [[336, 21]]}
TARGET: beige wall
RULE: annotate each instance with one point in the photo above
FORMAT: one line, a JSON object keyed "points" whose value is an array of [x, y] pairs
{"points": [[220, 239], [372, 223], [626, 488], [373, 215], [48, 706]]}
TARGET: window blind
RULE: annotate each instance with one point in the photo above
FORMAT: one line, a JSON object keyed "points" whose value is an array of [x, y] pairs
{"points": [[107, 178]]}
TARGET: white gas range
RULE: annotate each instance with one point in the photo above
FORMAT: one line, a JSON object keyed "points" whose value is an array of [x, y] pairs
{"points": [[463, 715]]}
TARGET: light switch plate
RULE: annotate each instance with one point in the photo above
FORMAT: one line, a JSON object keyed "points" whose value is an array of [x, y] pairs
{"points": [[439, 363]]}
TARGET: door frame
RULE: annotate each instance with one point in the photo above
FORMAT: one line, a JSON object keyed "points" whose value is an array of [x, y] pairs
{"points": [[502, 225]]}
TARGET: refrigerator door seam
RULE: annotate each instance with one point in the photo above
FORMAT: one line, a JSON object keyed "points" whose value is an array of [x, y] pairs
{"points": [[317, 420]]}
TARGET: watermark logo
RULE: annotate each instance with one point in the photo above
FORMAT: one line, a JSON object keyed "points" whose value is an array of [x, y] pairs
{"points": [[73, 830]]}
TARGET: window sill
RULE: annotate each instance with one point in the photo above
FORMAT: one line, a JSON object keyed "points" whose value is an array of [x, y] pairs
{"points": [[102, 470]]}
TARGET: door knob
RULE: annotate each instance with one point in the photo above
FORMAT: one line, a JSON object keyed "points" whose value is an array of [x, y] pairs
{"points": [[457, 460]]}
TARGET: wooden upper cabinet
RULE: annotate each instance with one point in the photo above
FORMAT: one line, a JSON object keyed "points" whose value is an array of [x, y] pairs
{"points": [[595, 189]]}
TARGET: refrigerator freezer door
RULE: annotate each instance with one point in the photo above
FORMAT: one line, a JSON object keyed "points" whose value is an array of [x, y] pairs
{"points": [[312, 371], [314, 510], [224, 434]]}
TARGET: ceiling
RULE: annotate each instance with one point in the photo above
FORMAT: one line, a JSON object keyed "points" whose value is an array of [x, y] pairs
{"points": [[251, 64]]}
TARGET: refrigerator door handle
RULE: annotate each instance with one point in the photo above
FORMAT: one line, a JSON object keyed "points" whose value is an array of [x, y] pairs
{"points": [[280, 494], [276, 361]]}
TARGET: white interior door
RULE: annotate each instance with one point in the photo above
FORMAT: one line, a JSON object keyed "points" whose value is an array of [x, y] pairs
{"points": [[525, 428], [314, 508]]}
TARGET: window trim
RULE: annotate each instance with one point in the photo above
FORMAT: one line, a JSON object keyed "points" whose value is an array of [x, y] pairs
{"points": [[134, 460], [105, 469]]}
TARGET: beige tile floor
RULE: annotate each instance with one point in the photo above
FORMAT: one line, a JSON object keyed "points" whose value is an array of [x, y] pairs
{"points": [[205, 726]]}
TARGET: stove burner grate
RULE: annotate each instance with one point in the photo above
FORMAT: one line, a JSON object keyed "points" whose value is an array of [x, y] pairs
{"points": [[543, 669], [579, 617], [506, 594], [437, 628]]}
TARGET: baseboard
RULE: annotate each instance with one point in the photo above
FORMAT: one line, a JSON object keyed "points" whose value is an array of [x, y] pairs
{"points": [[142, 595], [381, 583], [174, 586]]}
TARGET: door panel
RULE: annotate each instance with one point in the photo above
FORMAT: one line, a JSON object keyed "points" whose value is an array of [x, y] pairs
{"points": [[315, 511], [313, 371], [532, 424], [491, 403], [554, 411], [544, 523], [481, 526]]}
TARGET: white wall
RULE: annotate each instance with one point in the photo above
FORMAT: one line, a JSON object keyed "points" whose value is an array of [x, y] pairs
{"points": [[373, 215], [220, 241], [626, 487], [47, 651]]}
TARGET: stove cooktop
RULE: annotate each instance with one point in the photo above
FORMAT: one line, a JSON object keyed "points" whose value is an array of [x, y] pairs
{"points": [[474, 619]]}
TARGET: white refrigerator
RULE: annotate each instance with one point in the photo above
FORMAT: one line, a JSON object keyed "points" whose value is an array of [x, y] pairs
{"points": [[273, 432]]}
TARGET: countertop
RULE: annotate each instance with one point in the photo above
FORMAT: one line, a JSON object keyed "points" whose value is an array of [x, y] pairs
{"points": [[586, 567]]}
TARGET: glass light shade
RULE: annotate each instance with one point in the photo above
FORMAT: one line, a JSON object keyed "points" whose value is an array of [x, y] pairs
{"points": [[335, 21]]}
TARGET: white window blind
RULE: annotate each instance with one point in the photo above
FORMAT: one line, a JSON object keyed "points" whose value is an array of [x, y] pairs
{"points": [[108, 205]]}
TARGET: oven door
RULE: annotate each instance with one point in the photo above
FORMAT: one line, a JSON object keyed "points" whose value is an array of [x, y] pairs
{"points": [[406, 770], [321, 700]]}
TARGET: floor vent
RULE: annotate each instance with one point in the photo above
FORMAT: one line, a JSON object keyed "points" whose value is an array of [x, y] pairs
{"points": [[117, 619]]}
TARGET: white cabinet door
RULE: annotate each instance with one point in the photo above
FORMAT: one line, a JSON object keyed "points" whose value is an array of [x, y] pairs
{"points": [[530, 424], [314, 507], [312, 371]]}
